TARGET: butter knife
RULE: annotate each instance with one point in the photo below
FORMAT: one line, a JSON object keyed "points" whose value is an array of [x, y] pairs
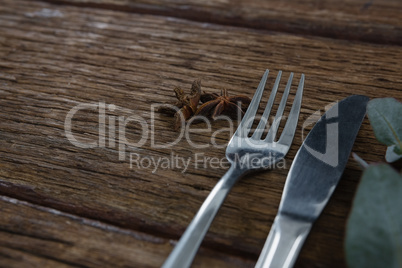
{"points": [[312, 178]]}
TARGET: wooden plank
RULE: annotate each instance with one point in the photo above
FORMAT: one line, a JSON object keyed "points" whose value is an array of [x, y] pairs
{"points": [[365, 20], [56, 57], [35, 236]]}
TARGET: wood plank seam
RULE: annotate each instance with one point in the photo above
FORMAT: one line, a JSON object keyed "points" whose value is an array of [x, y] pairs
{"points": [[380, 35]]}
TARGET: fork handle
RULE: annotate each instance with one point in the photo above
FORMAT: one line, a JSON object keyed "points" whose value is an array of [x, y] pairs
{"points": [[183, 254], [284, 242]]}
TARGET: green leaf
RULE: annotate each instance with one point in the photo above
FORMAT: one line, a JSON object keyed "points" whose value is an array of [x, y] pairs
{"points": [[374, 228], [391, 155], [385, 116]]}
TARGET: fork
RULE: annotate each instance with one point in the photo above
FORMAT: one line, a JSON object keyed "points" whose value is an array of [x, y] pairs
{"points": [[245, 154]]}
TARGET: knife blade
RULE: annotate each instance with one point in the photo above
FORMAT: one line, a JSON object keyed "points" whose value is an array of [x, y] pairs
{"points": [[312, 178]]}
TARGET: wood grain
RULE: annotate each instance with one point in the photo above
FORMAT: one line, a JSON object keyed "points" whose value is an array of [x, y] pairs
{"points": [[43, 237], [364, 20], [55, 57]]}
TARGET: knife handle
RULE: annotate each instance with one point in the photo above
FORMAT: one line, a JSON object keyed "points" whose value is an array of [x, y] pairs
{"points": [[185, 250], [284, 242]]}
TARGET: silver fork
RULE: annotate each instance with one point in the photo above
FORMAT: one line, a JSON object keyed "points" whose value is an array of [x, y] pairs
{"points": [[245, 154]]}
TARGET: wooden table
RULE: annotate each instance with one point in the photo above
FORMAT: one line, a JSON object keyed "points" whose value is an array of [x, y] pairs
{"points": [[63, 205]]}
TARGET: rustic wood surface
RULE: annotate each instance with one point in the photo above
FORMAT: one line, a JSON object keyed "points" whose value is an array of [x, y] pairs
{"points": [[65, 240], [368, 20], [62, 205]]}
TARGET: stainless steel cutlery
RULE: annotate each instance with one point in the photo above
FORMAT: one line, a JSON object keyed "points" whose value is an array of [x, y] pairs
{"points": [[313, 176]]}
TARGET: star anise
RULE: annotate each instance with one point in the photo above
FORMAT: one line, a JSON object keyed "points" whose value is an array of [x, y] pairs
{"points": [[215, 105], [187, 104]]}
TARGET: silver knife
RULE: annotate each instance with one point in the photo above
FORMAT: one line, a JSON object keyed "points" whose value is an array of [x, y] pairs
{"points": [[312, 178]]}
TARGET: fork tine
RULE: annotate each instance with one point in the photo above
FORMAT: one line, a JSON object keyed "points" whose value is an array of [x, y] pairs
{"points": [[264, 119], [291, 124], [275, 125], [244, 127]]}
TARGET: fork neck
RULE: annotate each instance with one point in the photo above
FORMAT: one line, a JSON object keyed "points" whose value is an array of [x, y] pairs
{"points": [[228, 180], [233, 174]]}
